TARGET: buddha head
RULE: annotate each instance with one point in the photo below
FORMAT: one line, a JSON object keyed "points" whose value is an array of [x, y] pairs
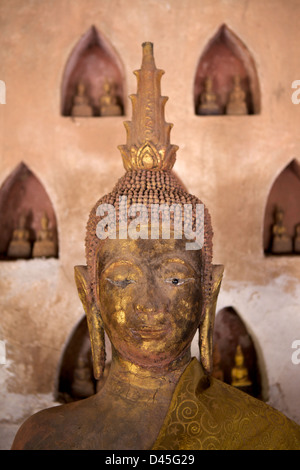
{"points": [[44, 221], [107, 88], [80, 89], [147, 283], [237, 82], [239, 357], [278, 215]]}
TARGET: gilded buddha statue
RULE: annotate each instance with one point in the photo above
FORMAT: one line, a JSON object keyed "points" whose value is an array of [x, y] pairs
{"points": [[83, 384], [237, 99], [81, 106], [108, 101], [239, 373], [281, 242], [20, 245], [297, 239], [208, 100], [150, 294], [45, 245]]}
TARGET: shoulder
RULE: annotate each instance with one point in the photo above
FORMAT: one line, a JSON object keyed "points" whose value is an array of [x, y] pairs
{"points": [[258, 423], [52, 428]]}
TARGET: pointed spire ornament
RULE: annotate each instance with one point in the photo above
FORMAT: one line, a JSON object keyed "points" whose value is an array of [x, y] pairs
{"points": [[148, 134], [149, 184]]}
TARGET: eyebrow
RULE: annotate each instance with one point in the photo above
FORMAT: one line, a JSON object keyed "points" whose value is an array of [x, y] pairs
{"points": [[122, 262], [181, 261], [176, 260]]}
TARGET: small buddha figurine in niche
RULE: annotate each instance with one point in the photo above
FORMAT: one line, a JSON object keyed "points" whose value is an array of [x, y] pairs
{"points": [[81, 106], [297, 239], [236, 103], [108, 104], [83, 385], [239, 373], [281, 241], [45, 244], [208, 100], [20, 246], [150, 295]]}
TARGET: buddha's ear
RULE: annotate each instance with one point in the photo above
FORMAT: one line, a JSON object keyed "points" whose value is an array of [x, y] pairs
{"points": [[207, 325], [94, 320]]}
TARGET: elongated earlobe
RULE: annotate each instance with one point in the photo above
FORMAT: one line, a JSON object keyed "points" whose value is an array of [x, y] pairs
{"points": [[94, 320], [207, 325]]}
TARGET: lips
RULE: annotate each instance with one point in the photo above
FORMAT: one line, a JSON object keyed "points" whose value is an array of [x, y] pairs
{"points": [[150, 332]]}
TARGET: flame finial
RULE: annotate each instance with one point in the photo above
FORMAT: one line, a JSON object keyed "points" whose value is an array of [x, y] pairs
{"points": [[148, 134]]}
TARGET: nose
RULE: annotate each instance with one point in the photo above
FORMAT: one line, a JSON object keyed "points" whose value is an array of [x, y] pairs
{"points": [[148, 314], [150, 300]]}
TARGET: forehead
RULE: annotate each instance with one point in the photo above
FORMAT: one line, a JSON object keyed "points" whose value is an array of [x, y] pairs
{"points": [[150, 252]]}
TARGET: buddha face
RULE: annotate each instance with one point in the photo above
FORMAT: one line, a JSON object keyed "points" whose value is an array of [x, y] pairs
{"points": [[239, 360], [44, 222], [149, 297], [279, 216]]}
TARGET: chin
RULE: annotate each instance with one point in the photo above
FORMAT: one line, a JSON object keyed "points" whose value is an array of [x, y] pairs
{"points": [[154, 357]]}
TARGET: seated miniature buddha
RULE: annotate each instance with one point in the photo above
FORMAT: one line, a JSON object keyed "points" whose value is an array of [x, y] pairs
{"points": [[20, 246], [150, 295], [81, 106], [108, 102], [239, 373], [297, 239], [208, 100], [45, 245], [236, 104], [281, 241], [83, 383]]}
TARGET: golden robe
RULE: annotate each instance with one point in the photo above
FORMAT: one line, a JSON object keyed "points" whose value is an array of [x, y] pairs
{"points": [[206, 413]]}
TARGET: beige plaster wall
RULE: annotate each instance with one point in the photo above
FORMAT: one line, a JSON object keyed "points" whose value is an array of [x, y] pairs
{"points": [[229, 162]]}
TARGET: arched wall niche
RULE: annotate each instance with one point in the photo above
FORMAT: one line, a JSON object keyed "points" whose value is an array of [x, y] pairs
{"points": [[225, 57], [229, 332], [284, 195], [23, 194], [75, 372], [92, 62]]}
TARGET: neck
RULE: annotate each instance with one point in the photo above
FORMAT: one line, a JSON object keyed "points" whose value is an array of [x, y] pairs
{"points": [[136, 382]]}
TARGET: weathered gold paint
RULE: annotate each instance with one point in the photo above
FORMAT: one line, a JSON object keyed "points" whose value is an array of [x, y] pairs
{"points": [[155, 396]]}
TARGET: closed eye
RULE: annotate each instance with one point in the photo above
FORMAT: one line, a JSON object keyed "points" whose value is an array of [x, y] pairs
{"points": [[175, 281], [122, 283]]}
